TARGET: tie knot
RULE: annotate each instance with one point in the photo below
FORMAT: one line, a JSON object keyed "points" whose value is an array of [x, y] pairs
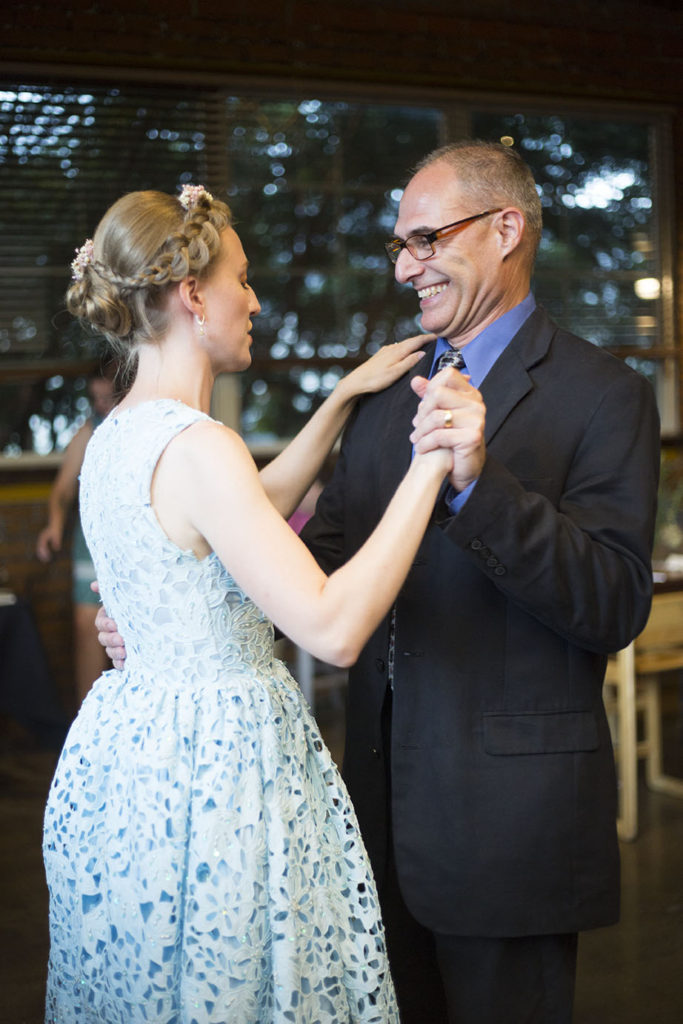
{"points": [[451, 357]]}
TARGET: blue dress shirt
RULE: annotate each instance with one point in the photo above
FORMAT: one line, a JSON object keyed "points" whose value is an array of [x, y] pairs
{"points": [[480, 354]]}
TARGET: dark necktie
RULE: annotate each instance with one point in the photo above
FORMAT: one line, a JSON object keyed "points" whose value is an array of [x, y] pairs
{"points": [[451, 357]]}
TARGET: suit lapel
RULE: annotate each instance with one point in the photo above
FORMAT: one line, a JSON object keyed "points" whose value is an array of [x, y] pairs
{"points": [[508, 380]]}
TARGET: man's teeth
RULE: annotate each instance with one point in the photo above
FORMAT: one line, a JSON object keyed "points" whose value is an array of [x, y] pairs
{"points": [[434, 289]]}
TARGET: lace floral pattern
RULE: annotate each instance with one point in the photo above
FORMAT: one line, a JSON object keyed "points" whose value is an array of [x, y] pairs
{"points": [[202, 855]]}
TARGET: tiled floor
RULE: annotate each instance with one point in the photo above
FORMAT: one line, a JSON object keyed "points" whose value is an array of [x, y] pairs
{"points": [[630, 974]]}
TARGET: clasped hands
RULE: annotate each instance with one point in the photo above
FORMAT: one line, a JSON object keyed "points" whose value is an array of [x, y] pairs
{"points": [[451, 414]]}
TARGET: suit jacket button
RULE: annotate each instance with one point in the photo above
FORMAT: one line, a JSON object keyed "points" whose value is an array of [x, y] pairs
{"points": [[476, 544], [375, 752], [492, 561], [500, 570], [379, 665]]}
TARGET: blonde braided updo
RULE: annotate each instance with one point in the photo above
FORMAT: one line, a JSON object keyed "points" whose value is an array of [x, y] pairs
{"points": [[144, 245]]}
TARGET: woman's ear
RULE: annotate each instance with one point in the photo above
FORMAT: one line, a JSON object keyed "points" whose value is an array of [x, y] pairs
{"points": [[190, 296]]}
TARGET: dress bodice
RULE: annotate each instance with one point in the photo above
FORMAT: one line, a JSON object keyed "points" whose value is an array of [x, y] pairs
{"points": [[180, 615]]}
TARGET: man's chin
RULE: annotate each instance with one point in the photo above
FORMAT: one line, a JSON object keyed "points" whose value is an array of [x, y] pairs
{"points": [[433, 325]]}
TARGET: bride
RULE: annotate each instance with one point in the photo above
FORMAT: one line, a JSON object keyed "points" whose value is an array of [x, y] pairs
{"points": [[203, 859]]}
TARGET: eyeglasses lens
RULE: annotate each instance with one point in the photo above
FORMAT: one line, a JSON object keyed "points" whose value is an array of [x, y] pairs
{"points": [[419, 247]]}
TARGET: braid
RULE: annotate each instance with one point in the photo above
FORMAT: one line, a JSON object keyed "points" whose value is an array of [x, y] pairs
{"points": [[145, 244]]}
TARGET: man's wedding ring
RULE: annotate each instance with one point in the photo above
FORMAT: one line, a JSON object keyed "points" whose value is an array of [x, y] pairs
{"points": [[448, 418]]}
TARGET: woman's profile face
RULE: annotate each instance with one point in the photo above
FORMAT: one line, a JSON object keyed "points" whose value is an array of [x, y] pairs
{"points": [[229, 305]]}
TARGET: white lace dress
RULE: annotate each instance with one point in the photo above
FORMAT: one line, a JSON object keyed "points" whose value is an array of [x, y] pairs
{"points": [[202, 855]]}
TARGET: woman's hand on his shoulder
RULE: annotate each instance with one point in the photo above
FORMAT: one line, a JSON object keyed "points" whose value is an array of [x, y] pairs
{"points": [[386, 366]]}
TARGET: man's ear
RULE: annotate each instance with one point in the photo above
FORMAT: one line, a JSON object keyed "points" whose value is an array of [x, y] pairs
{"points": [[511, 225], [190, 295]]}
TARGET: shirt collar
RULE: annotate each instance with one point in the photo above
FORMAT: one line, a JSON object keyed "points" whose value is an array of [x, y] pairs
{"points": [[481, 353]]}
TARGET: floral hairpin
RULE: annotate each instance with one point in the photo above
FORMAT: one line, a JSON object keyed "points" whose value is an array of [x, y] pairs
{"points": [[191, 194], [84, 257]]}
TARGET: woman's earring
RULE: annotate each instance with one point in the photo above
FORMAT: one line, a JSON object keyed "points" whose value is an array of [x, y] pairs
{"points": [[201, 321]]}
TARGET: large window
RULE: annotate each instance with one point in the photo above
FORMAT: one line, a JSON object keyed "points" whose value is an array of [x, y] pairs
{"points": [[314, 182]]}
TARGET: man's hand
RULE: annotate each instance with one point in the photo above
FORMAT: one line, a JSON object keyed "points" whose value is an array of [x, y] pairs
{"points": [[451, 414], [110, 638]]}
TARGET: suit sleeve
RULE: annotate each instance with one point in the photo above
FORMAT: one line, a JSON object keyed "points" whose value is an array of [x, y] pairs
{"points": [[576, 555]]}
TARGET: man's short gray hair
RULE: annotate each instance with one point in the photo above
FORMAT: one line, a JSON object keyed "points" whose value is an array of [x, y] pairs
{"points": [[494, 175]]}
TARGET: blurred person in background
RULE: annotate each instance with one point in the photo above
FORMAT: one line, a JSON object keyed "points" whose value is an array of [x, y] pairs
{"points": [[89, 661]]}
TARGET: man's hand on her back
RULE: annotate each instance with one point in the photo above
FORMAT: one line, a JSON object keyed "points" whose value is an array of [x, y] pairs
{"points": [[109, 636]]}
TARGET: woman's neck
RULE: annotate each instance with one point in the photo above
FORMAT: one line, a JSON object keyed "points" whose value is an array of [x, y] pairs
{"points": [[171, 369]]}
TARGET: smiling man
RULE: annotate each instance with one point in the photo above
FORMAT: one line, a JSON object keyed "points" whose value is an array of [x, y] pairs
{"points": [[478, 754], [477, 268]]}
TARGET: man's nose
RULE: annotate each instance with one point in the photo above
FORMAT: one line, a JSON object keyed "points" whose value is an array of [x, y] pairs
{"points": [[407, 267]]}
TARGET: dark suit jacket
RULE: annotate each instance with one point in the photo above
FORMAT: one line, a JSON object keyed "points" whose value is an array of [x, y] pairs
{"points": [[503, 782]]}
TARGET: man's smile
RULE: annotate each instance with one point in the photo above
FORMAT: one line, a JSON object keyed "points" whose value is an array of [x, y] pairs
{"points": [[431, 290]]}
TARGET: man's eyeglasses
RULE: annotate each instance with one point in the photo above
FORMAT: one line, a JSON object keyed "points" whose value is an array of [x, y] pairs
{"points": [[422, 246]]}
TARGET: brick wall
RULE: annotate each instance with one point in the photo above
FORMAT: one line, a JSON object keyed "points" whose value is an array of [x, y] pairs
{"points": [[617, 49]]}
